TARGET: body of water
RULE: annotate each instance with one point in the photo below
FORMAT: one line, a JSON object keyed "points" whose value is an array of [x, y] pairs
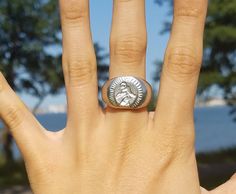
{"points": [[215, 128]]}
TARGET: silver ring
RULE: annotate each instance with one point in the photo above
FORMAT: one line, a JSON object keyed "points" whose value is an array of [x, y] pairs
{"points": [[127, 92]]}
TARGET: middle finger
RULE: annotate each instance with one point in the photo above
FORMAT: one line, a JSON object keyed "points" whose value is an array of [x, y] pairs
{"points": [[79, 61]]}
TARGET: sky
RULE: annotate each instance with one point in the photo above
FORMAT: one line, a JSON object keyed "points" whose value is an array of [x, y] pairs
{"points": [[101, 16]]}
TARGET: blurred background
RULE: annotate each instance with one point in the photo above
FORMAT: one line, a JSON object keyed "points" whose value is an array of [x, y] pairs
{"points": [[30, 59]]}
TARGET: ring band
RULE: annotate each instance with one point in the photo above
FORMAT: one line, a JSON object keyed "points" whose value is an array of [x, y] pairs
{"points": [[127, 92]]}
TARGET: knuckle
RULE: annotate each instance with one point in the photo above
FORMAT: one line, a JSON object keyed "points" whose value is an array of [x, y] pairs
{"points": [[74, 10], [129, 49], [182, 64], [81, 71], [13, 117]]}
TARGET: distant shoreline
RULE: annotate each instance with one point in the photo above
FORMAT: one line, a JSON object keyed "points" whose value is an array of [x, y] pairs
{"points": [[44, 111]]}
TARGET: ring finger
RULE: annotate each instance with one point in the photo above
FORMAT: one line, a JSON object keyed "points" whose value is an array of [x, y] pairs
{"points": [[128, 39], [128, 42]]}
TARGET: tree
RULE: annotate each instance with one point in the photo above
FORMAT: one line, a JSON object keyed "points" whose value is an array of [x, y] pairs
{"points": [[28, 29], [219, 67], [219, 63]]}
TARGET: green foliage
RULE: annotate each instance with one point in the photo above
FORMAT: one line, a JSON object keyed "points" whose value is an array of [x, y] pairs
{"points": [[220, 49], [215, 168], [27, 30], [220, 44], [221, 156], [14, 174]]}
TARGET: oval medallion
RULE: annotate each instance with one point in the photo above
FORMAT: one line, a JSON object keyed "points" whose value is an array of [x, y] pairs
{"points": [[127, 92]]}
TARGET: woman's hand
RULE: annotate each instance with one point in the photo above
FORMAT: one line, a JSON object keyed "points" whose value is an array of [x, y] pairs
{"points": [[117, 151]]}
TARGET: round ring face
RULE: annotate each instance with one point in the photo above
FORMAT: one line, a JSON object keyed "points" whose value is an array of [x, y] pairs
{"points": [[126, 92]]}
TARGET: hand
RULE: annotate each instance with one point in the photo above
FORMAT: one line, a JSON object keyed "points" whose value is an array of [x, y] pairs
{"points": [[117, 151]]}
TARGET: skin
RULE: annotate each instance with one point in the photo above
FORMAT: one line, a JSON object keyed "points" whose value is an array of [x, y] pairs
{"points": [[117, 151]]}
